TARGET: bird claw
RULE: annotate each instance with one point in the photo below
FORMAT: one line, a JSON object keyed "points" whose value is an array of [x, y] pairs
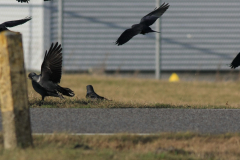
{"points": [[41, 103]]}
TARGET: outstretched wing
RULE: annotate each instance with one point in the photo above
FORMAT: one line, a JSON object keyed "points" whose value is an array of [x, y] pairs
{"points": [[28, 0], [127, 35], [236, 61], [16, 22], [23, 1], [51, 69], [151, 17]]}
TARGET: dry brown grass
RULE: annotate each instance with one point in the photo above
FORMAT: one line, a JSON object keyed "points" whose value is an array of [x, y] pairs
{"points": [[123, 146], [147, 92]]}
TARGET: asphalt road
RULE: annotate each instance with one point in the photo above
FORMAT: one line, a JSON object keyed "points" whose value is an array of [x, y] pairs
{"points": [[46, 120]]}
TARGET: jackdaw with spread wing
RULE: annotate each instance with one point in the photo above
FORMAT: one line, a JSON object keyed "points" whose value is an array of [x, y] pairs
{"points": [[236, 62], [92, 95], [3, 26], [143, 26], [46, 84]]}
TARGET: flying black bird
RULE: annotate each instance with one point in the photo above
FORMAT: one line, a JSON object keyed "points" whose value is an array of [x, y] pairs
{"points": [[236, 61], [46, 84], [28, 0], [143, 26], [4, 25], [92, 95], [23, 1]]}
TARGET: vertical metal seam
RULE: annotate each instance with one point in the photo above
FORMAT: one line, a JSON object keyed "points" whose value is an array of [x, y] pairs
{"points": [[158, 46]]}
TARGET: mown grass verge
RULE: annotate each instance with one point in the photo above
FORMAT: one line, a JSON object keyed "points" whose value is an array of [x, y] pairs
{"points": [[85, 103], [183, 146], [142, 93]]}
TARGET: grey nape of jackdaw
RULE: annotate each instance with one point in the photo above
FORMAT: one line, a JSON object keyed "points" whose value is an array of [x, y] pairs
{"points": [[92, 95], [13, 23], [236, 61], [143, 26], [46, 84]]}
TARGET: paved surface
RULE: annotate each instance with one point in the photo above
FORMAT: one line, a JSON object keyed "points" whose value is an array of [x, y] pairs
{"points": [[134, 120]]}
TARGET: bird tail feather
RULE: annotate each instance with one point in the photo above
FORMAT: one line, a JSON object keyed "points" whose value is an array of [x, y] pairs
{"points": [[66, 91]]}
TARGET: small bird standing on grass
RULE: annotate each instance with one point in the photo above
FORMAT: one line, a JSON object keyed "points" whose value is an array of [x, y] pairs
{"points": [[92, 95], [3, 26], [46, 84], [236, 61], [143, 26]]}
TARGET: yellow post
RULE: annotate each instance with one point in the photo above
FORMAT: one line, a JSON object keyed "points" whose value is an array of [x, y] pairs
{"points": [[174, 78], [13, 92]]}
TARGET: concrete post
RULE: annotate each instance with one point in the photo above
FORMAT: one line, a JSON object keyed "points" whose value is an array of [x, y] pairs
{"points": [[13, 92]]}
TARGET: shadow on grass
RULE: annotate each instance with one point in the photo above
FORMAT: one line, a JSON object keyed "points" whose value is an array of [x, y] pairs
{"points": [[85, 103], [57, 103]]}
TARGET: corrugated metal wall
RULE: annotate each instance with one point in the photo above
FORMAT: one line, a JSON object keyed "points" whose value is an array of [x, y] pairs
{"points": [[196, 35], [201, 35]]}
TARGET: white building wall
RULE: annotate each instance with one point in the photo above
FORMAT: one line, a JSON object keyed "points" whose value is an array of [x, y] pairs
{"points": [[32, 31]]}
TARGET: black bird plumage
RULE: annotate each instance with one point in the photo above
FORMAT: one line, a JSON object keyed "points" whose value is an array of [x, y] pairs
{"points": [[13, 23], [46, 84], [143, 26], [23, 1], [236, 61], [28, 0], [92, 95]]}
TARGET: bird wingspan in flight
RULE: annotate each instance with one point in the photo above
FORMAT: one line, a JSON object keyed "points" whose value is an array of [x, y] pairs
{"points": [[127, 35], [236, 61], [28, 0], [151, 17], [143, 26], [46, 84], [13, 23], [23, 1]]}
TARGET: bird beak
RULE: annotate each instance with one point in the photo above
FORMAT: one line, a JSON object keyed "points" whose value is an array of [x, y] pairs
{"points": [[156, 31]]}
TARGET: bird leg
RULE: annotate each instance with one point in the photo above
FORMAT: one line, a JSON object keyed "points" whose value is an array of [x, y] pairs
{"points": [[41, 102], [60, 95]]}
